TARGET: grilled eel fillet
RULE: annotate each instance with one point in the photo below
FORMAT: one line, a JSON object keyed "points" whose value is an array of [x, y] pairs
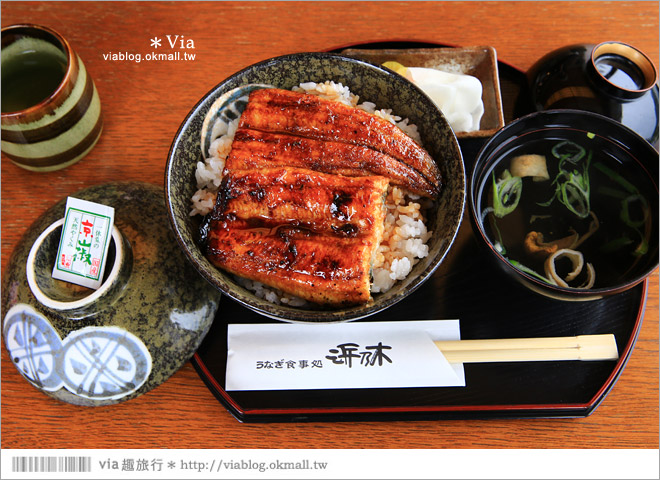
{"points": [[284, 111], [308, 233], [256, 149]]}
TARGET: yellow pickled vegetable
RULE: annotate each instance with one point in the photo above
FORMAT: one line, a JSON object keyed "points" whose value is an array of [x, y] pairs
{"points": [[397, 67]]}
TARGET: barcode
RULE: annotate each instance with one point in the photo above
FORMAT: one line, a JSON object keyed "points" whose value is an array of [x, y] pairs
{"points": [[51, 464]]}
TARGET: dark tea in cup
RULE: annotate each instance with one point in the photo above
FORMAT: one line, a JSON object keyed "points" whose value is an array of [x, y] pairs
{"points": [[32, 69]]}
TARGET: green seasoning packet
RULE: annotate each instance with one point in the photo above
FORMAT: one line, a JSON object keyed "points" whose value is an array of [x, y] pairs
{"points": [[84, 243]]}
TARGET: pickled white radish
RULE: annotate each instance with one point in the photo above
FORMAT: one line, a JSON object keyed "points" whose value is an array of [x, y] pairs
{"points": [[457, 95]]}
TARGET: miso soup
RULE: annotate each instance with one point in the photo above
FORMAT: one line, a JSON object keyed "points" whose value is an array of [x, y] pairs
{"points": [[570, 210]]}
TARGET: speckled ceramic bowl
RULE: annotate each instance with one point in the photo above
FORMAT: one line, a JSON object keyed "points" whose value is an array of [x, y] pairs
{"points": [[100, 347], [371, 83]]}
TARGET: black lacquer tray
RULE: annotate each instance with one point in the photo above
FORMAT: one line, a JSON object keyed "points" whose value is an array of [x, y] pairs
{"points": [[466, 286]]}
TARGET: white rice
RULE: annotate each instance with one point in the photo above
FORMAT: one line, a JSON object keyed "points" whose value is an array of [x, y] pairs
{"points": [[271, 294], [404, 240], [405, 236]]}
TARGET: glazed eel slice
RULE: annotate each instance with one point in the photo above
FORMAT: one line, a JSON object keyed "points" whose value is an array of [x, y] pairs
{"points": [[323, 269], [305, 115], [308, 233], [254, 149], [325, 203]]}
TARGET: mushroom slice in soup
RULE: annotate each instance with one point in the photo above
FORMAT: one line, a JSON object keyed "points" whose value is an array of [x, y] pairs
{"points": [[535, 243]]}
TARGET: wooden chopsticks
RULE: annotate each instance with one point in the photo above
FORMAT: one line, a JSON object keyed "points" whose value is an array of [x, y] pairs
{"points": [[581, 347]]}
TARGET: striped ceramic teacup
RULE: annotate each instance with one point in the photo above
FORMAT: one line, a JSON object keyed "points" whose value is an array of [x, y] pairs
{"points": [[51, 113]]}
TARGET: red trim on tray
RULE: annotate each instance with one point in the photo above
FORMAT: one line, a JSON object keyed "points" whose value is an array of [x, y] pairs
{"points": [[209, 377], [623, 358], [593, 402]]}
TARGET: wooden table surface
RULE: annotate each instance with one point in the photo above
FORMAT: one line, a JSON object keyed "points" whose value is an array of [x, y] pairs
{"points": [[145, 102]]}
